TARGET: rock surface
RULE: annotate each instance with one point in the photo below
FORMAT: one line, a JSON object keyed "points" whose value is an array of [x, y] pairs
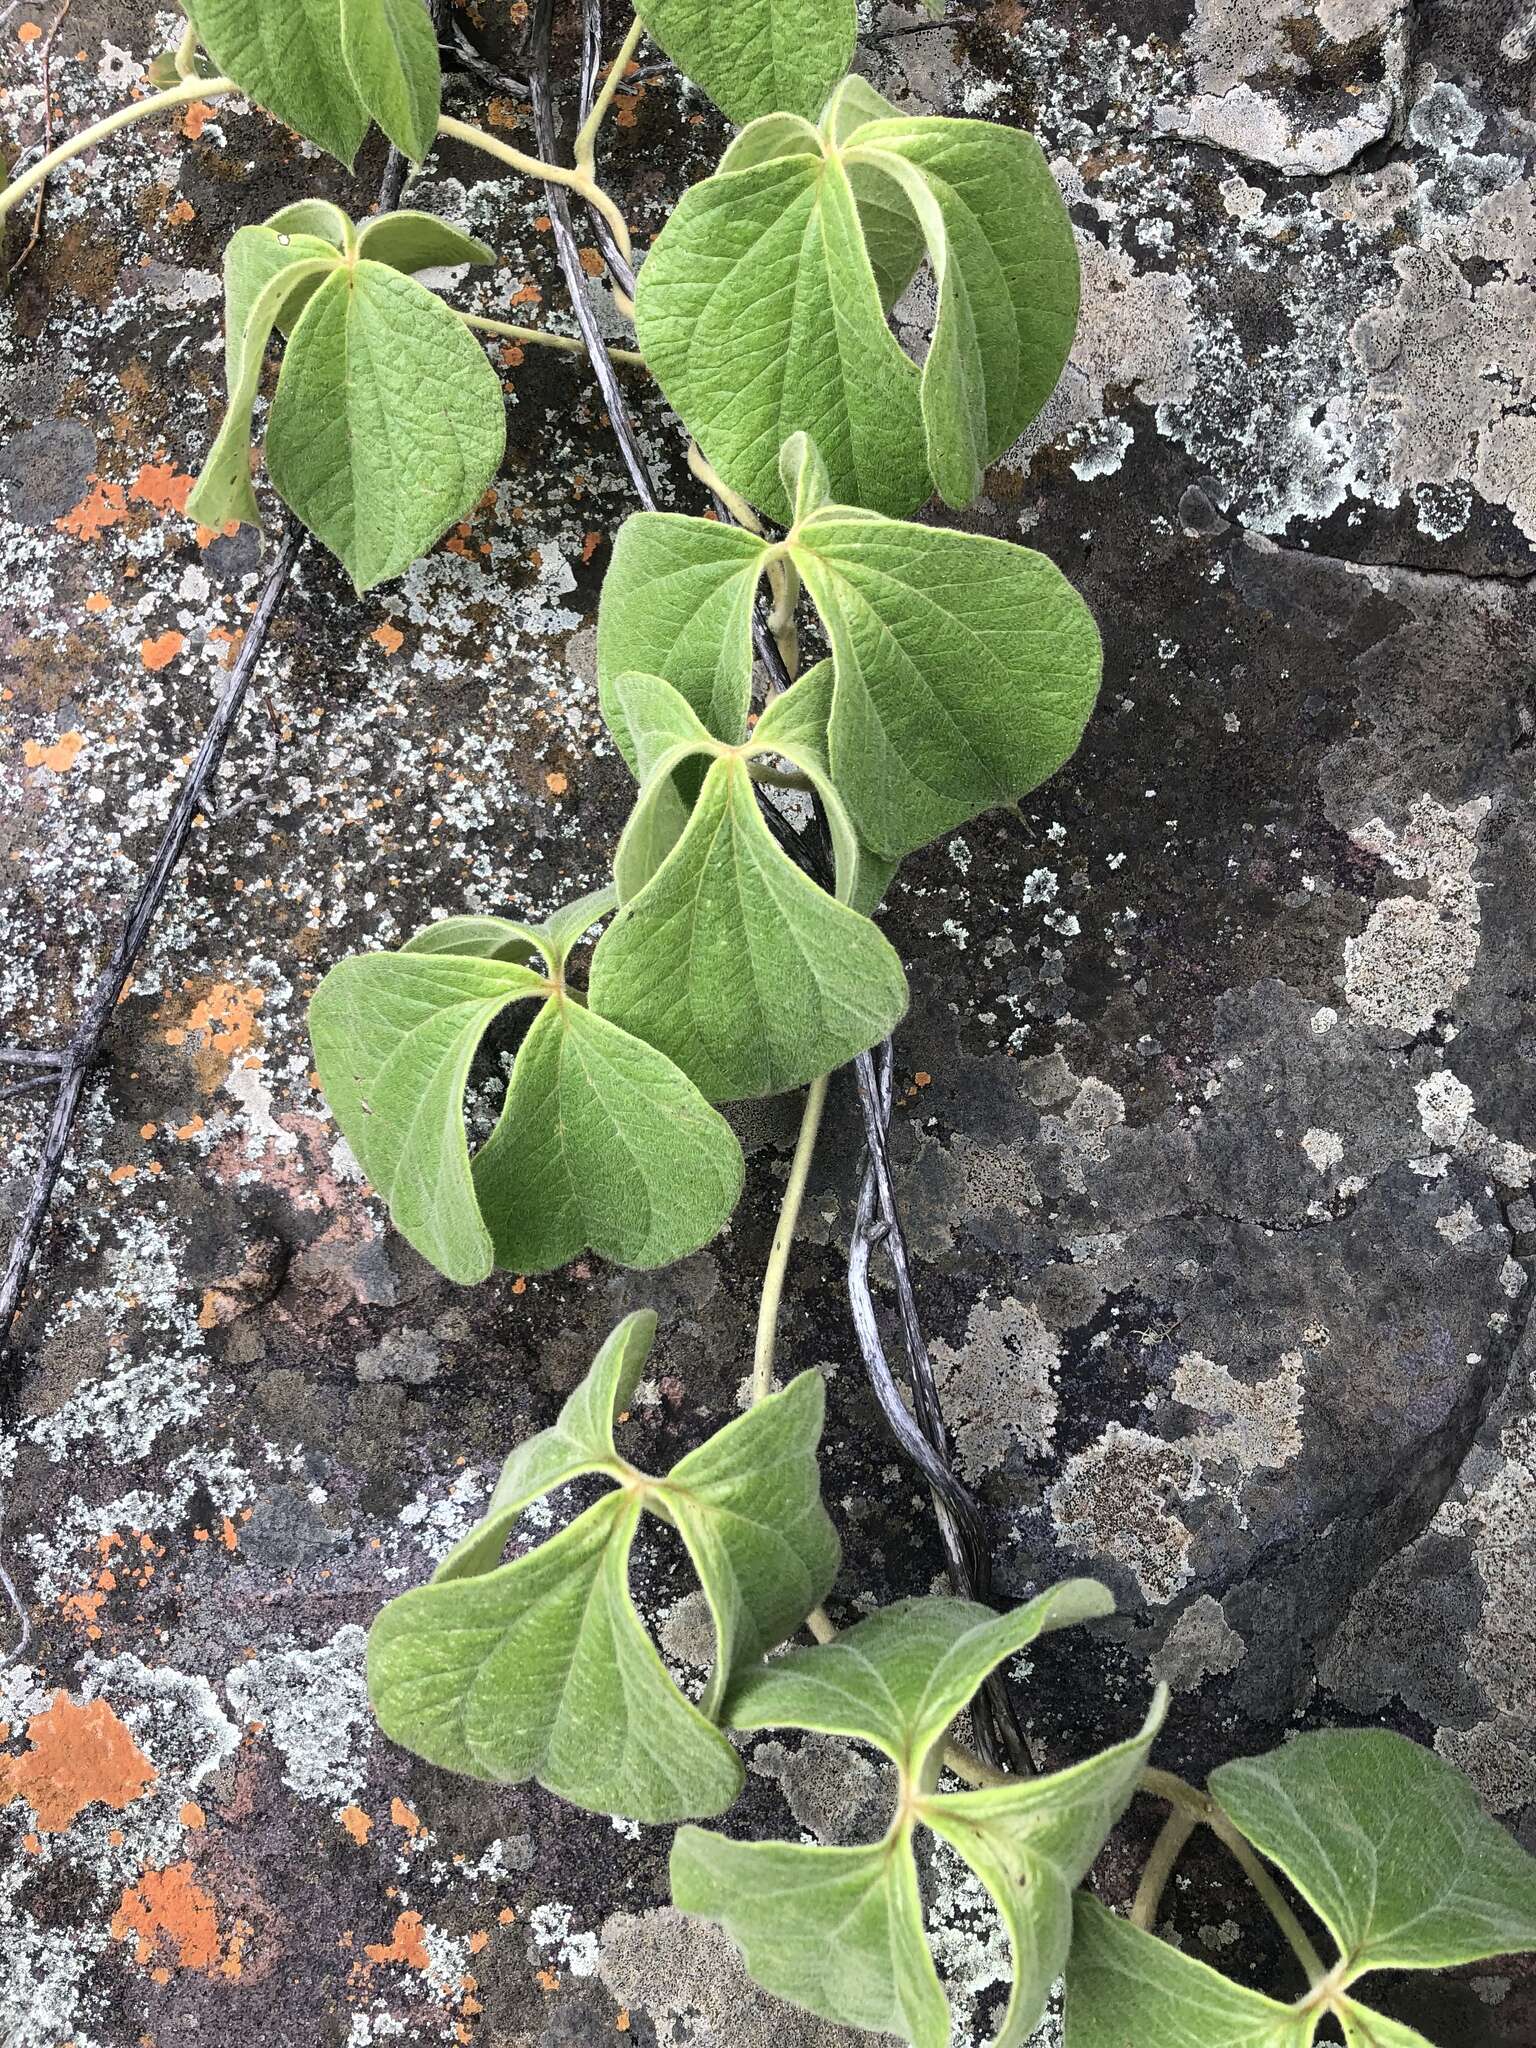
{"points": [[1218, 1097]]}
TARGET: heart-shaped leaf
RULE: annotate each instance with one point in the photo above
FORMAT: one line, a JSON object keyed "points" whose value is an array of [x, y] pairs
{"points": [[783, 265], [542, 1668], [388, 421], [267, 272], [602, 1143], [283, 55], [1126, 1986], [418, 241], [1388, 1844], [963, 671], [390, 50], [897, 1680], [725, 955], [757, 55]]}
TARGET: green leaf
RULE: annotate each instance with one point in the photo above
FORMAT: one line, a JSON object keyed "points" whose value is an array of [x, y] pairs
{"points": [[838, 1931], [759, 313], [394, 1035], [1366, 2029], [762, 305], [735, 964], [419, 241], [604, 1145], [677, 602], [897, 1680], [265, 273], [283, 55], [755, 56], [390, 49], [965, 669], [388, 421], [1127, 1989], [1389, 1846], [796, 722], [542, 1668]]}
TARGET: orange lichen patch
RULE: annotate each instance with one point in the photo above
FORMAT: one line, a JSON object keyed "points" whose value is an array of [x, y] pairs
{"points": [[161, 652], [102, 506], [621, 2024], [405, 1944], [191, 1815], [189, 1130], [84, 1607], [230, 642], [546, 1980], [223, 1022], [502, 113], [60, 756], [359, 1825], [181, 214], [81, 1755], [556, 783], [589, 545], [389, 637], [592, 262], [148, 1130], [28, 32], [478, 1940], [121, 1173], [168, 1915], [527, 294], [403, 1817], [98, 601], [923, 1080], [159, 483], [194, 117]]}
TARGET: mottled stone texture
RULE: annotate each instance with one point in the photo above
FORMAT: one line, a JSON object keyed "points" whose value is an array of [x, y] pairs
{"points": [[1217, 1091]]}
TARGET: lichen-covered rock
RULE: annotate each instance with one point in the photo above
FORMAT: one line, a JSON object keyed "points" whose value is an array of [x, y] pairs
{"points": [[1217, 1114]]}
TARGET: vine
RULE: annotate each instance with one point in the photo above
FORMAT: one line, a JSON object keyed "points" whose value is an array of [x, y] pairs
{"points": [[736, 959]]}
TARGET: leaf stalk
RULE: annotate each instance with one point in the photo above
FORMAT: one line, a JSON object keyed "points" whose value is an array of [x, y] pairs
{"points": [[137, 110]]}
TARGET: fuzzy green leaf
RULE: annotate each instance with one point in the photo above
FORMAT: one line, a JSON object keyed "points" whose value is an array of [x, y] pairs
{"points": [[1366, 2029], [394, 1035], [838, 1931], [762, 305], [283, 55], [542, 1668], [735, 964], [266, 272], [390, 49], [897, 1680], [796, 722], [1388, 1844], [965, 669], [388, 421], [759, 314], [756, 56], [1127, 1989], [677, 602], [603, 1145], [418, 241]]}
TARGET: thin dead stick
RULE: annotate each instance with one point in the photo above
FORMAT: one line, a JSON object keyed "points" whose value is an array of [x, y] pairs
{"points": [[41, 203], [81, 1053]]}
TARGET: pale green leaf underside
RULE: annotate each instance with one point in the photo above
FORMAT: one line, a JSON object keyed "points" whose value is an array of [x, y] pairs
{"points": [[762, 305], [1389, 1845], [388, 421], [838, 1931], [899, 1678], [1366, 2029], [390, 49], [394, 1036], [284, 54], [1029, 1843], [407, 240], [542, 1668], [1127, 1989], [603, 1144], [483, 938], [266, 274], [736, 965], [797, 721], [755, 56]]}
